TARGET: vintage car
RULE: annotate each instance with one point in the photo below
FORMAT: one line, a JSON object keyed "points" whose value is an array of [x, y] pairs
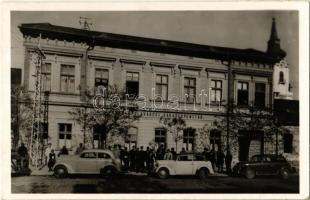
{"points": [[263, 165], [92, 161], [185, 164]]}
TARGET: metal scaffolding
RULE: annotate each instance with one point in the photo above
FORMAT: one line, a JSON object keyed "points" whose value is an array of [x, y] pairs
{"points": [[36, 148]]}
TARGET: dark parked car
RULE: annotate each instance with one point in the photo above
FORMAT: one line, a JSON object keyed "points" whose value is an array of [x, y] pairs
{"points": [[263, 165]]}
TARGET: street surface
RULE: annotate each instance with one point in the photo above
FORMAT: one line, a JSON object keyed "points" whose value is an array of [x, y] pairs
{"points": [[146, 184]]}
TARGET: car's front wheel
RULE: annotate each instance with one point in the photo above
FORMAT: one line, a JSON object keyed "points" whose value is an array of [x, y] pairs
{"points": [[60, 171], [284, 173], [163, 173], [250, 173], [108, 172], [203, 173]]}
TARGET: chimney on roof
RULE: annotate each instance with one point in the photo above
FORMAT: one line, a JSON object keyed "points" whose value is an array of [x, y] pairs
{"points": [[274, 48]]}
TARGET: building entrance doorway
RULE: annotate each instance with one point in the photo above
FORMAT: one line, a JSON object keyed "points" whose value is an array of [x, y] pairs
{"points": [[250, 143]]}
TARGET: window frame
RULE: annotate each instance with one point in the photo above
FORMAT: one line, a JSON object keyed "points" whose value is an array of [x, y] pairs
{"points": [[65, 133], [161, 84], [132, 81], [68, 77], [188, 87], [187, 137], [257, 92], [215, 89], [243, 90], [102, 79], [46, 74], [161, 136]]}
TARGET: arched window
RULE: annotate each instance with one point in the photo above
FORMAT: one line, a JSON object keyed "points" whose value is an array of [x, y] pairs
{"points": [[281, 78]]}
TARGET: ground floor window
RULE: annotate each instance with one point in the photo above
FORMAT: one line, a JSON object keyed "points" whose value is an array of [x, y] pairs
{"points": [[99, 136], [215, 139], [288, 143], [65, 135], [188, 139], [131, 138], [161, 136]]}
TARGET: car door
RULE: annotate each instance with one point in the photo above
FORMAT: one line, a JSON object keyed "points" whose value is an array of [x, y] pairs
{"points": [[198, 162], [268, 167], [104, 159], [87, 163], [184, 165]]}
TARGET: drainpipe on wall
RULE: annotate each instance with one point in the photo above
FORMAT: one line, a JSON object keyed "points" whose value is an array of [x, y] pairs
{"points": [[228, 110]]}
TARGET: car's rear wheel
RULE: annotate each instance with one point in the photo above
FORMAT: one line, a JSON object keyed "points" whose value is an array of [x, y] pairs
{"points": [[284, 173], [203, 173], [163, 173], [250, 173], [108, 172], [60, 171]]}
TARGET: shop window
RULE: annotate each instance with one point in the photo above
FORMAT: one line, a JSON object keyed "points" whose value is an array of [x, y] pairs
{"points": [[131, 138], [215, 139]]}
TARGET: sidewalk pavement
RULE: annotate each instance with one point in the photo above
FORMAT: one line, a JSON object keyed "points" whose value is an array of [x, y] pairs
{"points": [[44, 172]]}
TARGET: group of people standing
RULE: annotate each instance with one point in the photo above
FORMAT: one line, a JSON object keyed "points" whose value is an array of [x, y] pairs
{"points": [[218, 158], [140, 159]]}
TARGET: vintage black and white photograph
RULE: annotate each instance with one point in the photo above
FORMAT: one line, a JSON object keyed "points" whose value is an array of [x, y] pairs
{"points": [[159, 102]]}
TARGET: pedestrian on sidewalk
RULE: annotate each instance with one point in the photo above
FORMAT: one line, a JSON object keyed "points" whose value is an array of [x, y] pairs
{"points": [[183, 151], [168, 155], [47, 152], [125, 159], [132, 158], [23, 157], [228, 160], [79, 149], [63, 151], [174, 154], [160, 152], [52, 160], [220, 160], [151, 160]]}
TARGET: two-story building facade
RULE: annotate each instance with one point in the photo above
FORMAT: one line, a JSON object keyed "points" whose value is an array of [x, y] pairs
{"points": [[173, 77]]}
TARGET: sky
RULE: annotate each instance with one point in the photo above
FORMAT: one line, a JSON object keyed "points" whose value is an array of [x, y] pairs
{"points": [[235, 29]]}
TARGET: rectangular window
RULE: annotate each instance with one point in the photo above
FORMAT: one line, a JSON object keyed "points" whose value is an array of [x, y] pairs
{"points": [[188, 139], [162, 86], [46, 76], [160, 136], [190, 89], [216, 90], [67, 79], [132, 83], [260, 94], [243, 93], [101, 79], [65, 135]]}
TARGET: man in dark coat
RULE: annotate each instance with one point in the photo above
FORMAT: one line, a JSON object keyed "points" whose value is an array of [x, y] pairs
{"points": [[228, 160], [63, 151], [174, 154], [220, 160], [125, 159], [23, 156], [132, 158]]}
